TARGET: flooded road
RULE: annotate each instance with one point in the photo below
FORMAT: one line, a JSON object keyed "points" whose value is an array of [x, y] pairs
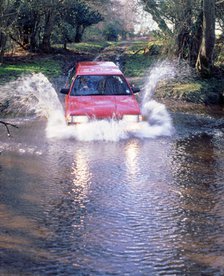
{"points": [[148, 202], [131, 207]]}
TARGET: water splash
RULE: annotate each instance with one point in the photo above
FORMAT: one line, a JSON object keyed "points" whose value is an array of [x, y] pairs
{"points": [[161, 71], [31, 95], [158, 118], [35, 95], [158, 121]]}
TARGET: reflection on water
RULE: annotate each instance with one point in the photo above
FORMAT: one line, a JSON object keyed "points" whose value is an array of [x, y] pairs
{"points": [[81, 173], [134, 207], [132, 158]]}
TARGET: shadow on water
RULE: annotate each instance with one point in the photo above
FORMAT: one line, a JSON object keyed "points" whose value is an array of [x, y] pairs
{"points": [[197, 168]]}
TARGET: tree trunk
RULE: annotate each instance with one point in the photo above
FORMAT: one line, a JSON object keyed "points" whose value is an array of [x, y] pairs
{"points": [[151, 7], [34, 33], [3, 40], [183, 26], [205, 60], [195, 40], [49, 21], [33, 42], [79, 33]]}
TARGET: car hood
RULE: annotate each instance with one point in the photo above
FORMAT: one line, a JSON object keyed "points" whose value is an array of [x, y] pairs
{"points": [[103, 106]]}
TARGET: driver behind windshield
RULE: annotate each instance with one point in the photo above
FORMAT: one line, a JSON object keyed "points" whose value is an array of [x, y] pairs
{"points": [[99, 85]]}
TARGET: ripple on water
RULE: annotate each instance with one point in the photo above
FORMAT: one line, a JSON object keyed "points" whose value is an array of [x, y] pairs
{"points": [[135, 207]]}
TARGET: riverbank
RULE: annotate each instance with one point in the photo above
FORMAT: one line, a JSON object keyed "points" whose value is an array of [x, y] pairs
{"points": [[135, 60]]}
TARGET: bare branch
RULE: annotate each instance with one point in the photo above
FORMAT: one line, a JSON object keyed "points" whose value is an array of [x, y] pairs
{"points": [[219, 2], [8, 15], [7, 127]]}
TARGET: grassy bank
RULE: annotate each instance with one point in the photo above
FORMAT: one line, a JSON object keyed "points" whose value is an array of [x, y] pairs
{"points": [[140, 56], [52, 65], [197, 91], [47, 66], [136, 59]]}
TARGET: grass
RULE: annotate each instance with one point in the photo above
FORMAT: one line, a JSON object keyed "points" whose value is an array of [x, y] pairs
{"points": [[47, 66], [188, 87], [196, 91], [137, 65], [139, 56], [89, 47], [135, 62], [50, 65]]}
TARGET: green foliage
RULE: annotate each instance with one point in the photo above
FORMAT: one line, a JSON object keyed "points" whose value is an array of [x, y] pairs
{"points": [[29, 24], [73, 18], [86, 16], [50, 66], [34, 24], [111, 32], [219, 52], [8, 15], [93, 33]]}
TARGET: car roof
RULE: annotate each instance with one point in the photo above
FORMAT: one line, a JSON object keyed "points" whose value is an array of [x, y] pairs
{"points": [[97, 68]]}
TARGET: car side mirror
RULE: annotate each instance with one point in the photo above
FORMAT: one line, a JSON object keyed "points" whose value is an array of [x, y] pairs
{"points": [[64, 91], [135, 89]]}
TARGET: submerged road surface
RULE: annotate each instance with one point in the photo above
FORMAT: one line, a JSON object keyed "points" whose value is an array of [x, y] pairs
{"points": [[134, 206]]}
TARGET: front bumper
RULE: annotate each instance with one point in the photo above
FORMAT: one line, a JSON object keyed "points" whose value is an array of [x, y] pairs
{"points": [[81, 119]]}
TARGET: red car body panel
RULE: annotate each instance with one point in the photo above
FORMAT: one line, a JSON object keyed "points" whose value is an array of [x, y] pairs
{"points": [[97, 67], [100, 106]]}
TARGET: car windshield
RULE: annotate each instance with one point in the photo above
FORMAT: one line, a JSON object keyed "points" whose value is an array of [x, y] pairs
{"points": [[100, 85]]}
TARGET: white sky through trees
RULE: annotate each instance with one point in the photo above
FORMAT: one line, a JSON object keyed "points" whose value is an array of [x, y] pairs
{"points": [[143, 21]]}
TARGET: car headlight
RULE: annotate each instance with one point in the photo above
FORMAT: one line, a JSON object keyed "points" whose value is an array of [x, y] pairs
{"points": [[77, 119], [132, 118]]}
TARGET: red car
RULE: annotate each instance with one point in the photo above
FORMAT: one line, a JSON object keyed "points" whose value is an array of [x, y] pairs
{"points": [[99, 90]]}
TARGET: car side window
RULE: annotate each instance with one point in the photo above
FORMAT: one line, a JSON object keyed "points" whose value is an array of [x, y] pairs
{"points": [[70, 77]]}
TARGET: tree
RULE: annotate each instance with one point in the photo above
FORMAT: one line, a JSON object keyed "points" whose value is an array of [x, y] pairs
{"points": [[191, 23], [111, 32], [28, 25], [159, 14], [8, 15], [205, 60], [85, 17], [51, 9], [73, 18], [37, 20], [220, 15]]}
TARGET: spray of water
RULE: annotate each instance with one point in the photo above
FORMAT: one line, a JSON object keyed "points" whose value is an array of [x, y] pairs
{"points": [[161, 71], [36, 95], [158, 118], [31, 95]]}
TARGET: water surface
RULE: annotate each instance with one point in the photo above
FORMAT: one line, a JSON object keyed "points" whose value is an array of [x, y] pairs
{"points": [[100, 200], [131, 207]]}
